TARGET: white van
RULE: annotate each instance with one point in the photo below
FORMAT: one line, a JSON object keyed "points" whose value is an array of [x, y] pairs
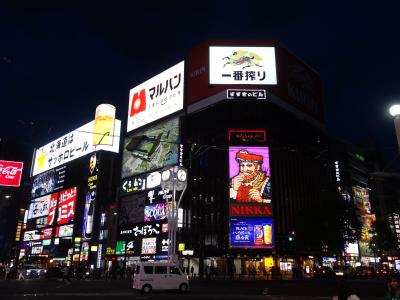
{"points": [[159, 276]]}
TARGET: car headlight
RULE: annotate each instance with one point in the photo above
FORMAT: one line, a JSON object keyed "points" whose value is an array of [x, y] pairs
{"points": [[28, 272]]}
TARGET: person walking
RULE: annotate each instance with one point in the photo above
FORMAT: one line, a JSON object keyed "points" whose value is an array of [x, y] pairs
{"points": [[6, 271], [345, 292], [21, 274]]}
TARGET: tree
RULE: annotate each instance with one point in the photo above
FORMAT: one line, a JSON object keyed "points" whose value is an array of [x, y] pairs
{"points": [[383, 241], [330, 223]]}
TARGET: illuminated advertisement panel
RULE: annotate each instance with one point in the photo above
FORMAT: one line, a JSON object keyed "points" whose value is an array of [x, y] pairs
{"points": [[250, 184], [156, 98], [151, 149], [131, 209], [155, 212], [31, 235], [140, 183], [52, 209], [49, 181], [242, 65], [363, 212], [143, 230], [66, 206], [40, 207], [10, 173], [149, 245], [70, 147], [64, 230], [90, 199], [251, 233], [120, 248]]}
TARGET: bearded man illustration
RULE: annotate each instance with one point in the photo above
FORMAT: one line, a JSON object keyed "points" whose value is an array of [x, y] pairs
{"points": [[251, 184]]}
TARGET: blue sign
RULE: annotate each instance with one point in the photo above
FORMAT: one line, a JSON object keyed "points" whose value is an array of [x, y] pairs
{"points": [[251, 233]]}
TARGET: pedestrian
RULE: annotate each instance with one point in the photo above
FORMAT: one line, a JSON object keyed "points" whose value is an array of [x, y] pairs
{"points": [[192, 271], [6, 271], [393, 292], [21, 274], [345, 292]]}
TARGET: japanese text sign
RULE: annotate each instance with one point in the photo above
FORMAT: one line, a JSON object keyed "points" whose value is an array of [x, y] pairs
{"points": [[156, 98], [242, 65], [251, 233], [71, 146], [66, 206]]}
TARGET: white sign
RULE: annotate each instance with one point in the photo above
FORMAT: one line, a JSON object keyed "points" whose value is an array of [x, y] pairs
{"points": [[39, 207], [31, 235], [149, 246], [156, 98], [242, 65], [71, 146]]}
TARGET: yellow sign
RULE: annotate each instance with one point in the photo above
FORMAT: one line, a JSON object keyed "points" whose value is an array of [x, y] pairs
{"points": [[181, 247]]}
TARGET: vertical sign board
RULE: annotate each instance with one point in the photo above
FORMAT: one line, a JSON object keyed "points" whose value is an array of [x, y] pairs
{"points": [[89, 210], [250, 207]]}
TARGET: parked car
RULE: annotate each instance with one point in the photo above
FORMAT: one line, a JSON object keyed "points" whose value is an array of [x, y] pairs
{"points": [[365, 272], [344, 271], [324, 272], [34, 272], [159, 276]]}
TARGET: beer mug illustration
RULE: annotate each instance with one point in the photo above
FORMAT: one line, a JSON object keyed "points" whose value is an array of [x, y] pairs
{"points": [[104, 125], [267, 234]]}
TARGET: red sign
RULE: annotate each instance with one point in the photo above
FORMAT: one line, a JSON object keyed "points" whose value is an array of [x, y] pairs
{"points": [[46, 233], [66, 206], [255, 210], [52, 209], [247, 135], [10, 173]]}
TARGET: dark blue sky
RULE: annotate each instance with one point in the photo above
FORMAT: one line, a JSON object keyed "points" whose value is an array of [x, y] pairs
{"points": [[58, 60]]}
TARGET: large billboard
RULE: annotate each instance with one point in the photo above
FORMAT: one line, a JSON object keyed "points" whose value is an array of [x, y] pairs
{"points": [[49, 181], [242, 65], [250, 204], [363, 213], [71, 146], [151, 149], [250, 184], [156, 98], [251, 233], [10, 173], [298, 87]]}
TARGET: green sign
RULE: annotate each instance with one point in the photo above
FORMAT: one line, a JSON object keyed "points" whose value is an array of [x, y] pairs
{"points": [[120, 249], [46, 242]]}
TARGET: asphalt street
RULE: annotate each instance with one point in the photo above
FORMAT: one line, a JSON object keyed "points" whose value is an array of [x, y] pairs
{"points": [[214, 289]]}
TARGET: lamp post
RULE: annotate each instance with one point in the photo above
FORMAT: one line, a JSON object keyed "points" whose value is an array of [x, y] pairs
{"points": [[395, 112], [175, 179]]}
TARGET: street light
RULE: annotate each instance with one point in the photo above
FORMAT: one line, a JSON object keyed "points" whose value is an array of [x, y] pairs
{"points": [[175, 179], [395, 112]]}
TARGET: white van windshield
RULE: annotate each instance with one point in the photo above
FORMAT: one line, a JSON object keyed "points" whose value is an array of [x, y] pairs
{"points": [[174, 270]]}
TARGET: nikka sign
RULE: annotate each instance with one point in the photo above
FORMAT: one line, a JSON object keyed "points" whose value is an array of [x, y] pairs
{"points": [[10, 173]]}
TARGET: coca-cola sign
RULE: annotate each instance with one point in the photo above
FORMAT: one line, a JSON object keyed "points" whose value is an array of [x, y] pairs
{"points": [[10, 173]]}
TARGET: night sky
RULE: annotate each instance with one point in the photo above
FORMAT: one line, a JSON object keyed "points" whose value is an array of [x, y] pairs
{"points": [[59, 60]]}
